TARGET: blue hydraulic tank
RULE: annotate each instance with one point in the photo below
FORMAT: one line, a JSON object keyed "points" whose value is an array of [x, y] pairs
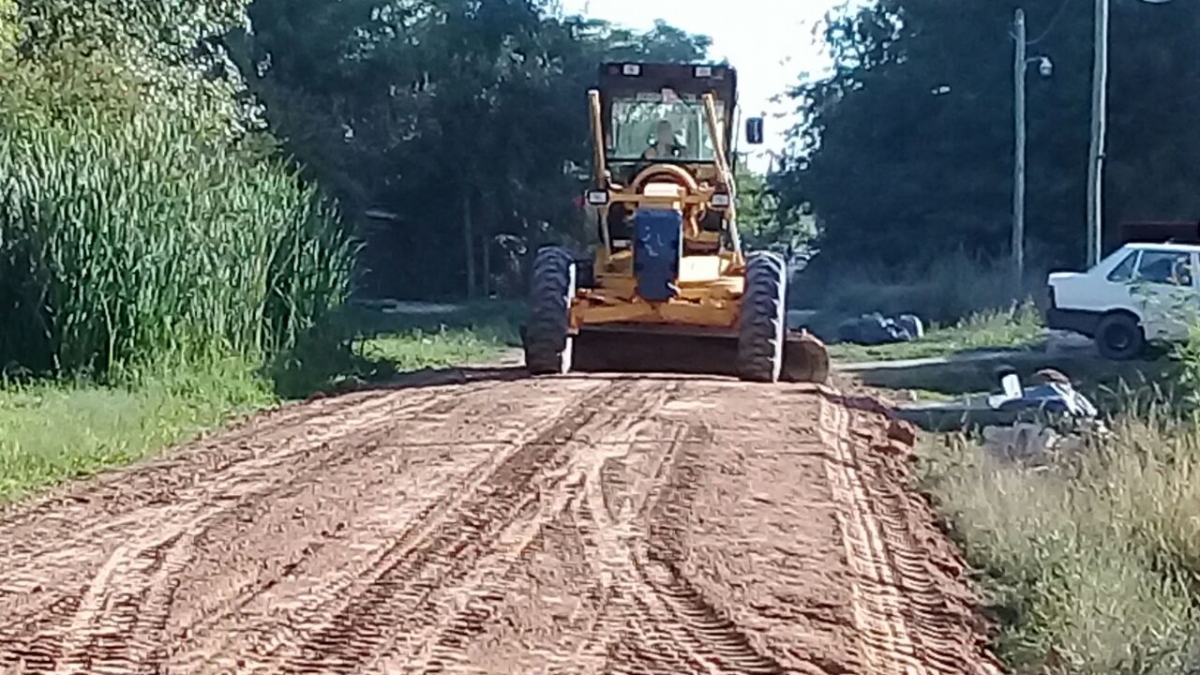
{"points": [[657, 250]]}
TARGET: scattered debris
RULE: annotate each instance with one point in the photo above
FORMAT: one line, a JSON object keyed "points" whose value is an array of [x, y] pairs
{"points": [[1064, 417], [876, 329], [1055, 394]]}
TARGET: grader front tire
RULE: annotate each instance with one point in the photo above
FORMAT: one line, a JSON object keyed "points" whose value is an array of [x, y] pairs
{"points": [[548, 345], [763, 325]]}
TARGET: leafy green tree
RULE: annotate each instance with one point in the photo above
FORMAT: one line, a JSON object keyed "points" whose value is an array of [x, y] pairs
{"points": [[760, 222], [905, 152], [176, 53], [460, 121]]}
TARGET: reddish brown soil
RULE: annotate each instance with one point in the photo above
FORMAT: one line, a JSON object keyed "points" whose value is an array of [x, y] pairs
{"points": [[563, 525]]}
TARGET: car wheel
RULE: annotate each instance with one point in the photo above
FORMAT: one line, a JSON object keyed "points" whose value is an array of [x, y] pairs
{"points": [[1119, 337]]}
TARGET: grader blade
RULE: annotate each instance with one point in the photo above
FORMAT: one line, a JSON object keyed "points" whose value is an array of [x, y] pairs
{"points": [[646, 349], [805, 359]]}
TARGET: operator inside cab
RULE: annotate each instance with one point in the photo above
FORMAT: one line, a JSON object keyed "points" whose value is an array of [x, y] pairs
{"points": [[665, 144]]}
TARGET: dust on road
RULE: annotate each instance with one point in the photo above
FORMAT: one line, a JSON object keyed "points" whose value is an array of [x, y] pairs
{"points": [[563, 525]]}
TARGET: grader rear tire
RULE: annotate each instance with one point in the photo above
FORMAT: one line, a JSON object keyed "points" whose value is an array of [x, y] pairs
{"points": [[763, 324], [548, 346]]}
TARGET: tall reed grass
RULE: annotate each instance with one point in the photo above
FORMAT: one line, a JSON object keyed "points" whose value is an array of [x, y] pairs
{"points": [[130, 236]]}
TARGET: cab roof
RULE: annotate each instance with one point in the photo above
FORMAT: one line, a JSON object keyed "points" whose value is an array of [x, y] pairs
{"points": [[628, 78]]}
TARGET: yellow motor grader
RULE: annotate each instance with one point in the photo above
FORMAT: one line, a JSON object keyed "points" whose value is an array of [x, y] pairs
{"points": [[669, 287]]}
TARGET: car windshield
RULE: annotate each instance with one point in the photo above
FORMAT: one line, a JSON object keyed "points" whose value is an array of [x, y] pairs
{"points": [[664, 126]]}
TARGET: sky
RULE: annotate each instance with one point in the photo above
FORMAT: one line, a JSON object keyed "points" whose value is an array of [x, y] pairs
{"points": [[770, 42]]}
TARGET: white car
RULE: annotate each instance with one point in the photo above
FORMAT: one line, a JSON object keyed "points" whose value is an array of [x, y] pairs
{"points": [[1140, 292]]}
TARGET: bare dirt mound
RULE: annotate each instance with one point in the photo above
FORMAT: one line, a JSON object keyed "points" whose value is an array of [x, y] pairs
{"points": [[563, 525]]}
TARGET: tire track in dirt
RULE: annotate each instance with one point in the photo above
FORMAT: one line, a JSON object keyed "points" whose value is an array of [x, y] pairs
{"points": [[277, 638], [713, 637], [440, 647], [554, 525], [132, 589], [674, 614], [601, 588], [898, 605], [139, 578], [878, 615], [400, 584], [593, 616], [205, 501], [634, 638], [678, 630], [68, 515]]}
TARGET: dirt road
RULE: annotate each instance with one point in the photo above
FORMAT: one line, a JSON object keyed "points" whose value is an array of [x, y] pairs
{"points": [[506, 525]]}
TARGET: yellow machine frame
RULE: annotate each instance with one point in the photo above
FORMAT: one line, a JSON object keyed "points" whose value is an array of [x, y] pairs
{"points": [[711, 276]]}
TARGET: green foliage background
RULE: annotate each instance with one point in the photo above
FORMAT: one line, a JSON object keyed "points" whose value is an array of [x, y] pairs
{"points": [[904, 153], [191, 181]]}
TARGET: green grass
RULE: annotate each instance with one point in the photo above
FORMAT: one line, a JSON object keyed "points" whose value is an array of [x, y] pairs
{"points": [[477, 331], [1091, 564], [419, 349], [1019, 326], [364, 346], [51, 431]]}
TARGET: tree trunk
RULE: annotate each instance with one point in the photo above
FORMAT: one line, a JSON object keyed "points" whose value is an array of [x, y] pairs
{"points": [[469, 241], [485, 247]]}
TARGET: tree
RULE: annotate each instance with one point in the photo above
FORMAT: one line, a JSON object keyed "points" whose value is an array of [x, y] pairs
{"points": [[177, 56], [759, 220], [904, 153], [459, 119]]}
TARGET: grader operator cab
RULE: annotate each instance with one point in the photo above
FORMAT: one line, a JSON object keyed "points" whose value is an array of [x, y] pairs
{"points": [[668, 287]]}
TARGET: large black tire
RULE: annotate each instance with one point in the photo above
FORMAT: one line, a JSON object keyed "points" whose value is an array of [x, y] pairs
{"points": [[1119, 337], [763, 324], [548, 345]]}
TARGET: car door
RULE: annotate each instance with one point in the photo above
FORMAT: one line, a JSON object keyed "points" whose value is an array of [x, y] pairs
{"points": [[1165, 292]]}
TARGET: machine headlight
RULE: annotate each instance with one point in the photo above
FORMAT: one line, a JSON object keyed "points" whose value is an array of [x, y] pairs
{"points": [[631, 69], [720, 200], [597, 197]]}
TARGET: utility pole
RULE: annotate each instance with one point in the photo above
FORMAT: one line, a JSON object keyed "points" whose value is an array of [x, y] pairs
{"points": [[1020, 64], [1096, 157], [1095, 210]]}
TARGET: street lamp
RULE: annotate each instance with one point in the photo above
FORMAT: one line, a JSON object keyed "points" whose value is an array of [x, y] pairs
{"points": [[1095, 210], [1021, 64]]}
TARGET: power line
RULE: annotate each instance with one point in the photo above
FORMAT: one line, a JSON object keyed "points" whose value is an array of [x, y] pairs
{"points": [[1050, 26]]}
